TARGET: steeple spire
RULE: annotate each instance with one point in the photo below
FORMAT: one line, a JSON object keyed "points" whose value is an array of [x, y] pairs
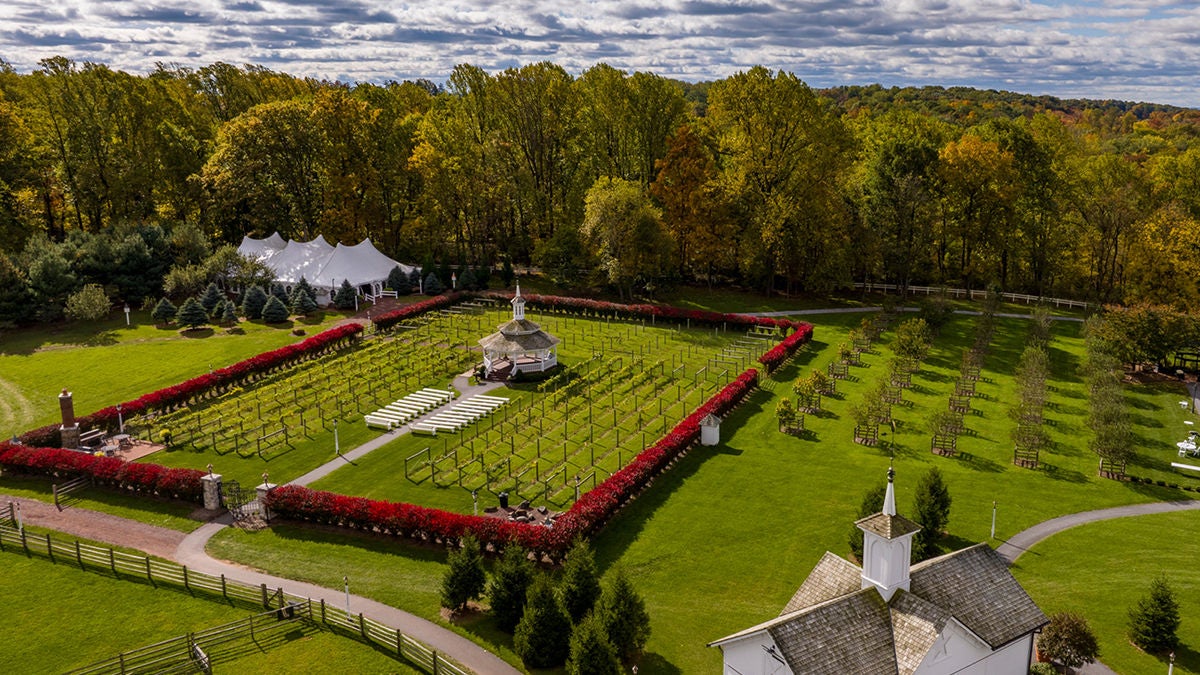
{"points": [[887, 545], [518, 304]]}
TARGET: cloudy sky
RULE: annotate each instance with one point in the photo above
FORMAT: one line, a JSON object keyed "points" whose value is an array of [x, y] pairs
{"points": [[1144, 50]]}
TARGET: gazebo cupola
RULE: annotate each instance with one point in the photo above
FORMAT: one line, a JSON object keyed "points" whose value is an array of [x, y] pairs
{"points": [[519, 346]]}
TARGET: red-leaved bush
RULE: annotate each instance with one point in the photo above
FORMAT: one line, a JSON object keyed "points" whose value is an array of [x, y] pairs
{"points": [[177, 394], [587, 515], [389, 319], [781, 352], [108, 471]]}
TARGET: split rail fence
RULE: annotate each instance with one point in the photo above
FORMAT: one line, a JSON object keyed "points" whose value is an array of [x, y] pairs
{"points": [[974, 294], [279, 602]]}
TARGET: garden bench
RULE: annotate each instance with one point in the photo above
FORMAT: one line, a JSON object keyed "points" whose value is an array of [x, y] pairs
{"points": [[424, 428], [373, 421], [89, 437]]}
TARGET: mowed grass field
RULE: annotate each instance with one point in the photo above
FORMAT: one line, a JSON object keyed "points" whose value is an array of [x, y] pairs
{"points": [[1100, 570], [631, 383], [724, 539], [105, 363], [62, 618]]}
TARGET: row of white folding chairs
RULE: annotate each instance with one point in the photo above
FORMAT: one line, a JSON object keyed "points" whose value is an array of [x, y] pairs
{"points": [[460, 415], [410, 407]]}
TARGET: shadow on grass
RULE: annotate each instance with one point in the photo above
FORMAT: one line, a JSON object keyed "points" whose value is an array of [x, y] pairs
{"points": [[977, 463], [1059, 473], [196, 333], [655, 663]]}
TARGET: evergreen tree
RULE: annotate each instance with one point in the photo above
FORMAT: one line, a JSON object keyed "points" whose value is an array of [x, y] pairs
{"points": [[307, 288], [872, 503], [274, 311], [229, 314], [17, 299], [623, 614], [467, 281], [591, 652], [397, 278], [164, 311], [432, 285], [1154, 620], [302, 302], [344, 298], [542, 638], [414, 280], [192, 314], [211, 300], [443, 273], [931, 510], [580, 585], [465, 578], [253, 302], [280, 292], [506, 273], [509, 586], [483, 275]]}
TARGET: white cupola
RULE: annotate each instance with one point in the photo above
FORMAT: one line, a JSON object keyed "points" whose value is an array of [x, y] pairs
{"points": [[518, 304], [887, 546]]}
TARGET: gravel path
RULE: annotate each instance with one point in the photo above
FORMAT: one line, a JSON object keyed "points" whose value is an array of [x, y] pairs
{"points": [[189, 549]]}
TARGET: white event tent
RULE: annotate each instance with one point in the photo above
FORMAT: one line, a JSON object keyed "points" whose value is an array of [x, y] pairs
{"points": [[324, 266]]}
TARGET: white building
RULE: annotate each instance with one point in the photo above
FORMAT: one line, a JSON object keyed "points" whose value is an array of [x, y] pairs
{"points": [[322, 265], [959, 613]]}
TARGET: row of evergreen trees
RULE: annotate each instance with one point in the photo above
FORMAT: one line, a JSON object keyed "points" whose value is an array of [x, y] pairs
{"points": [[591, 629], [212, 306]]}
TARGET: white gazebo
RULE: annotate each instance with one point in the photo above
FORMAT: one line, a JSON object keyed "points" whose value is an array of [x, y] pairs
{"points": [[519, 346]]}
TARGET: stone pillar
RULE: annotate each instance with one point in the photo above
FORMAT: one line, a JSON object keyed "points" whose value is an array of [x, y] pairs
{"points": [[262, 491], [212, 490], [69, 429]]}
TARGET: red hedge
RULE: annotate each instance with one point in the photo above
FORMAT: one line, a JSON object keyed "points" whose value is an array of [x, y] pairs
{"points": [[389, 319], [182, 392], [784, 350], [586, 516], [145, 478]]}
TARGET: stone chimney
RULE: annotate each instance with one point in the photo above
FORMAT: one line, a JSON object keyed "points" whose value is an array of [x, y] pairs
{"points": [[70, 428]]}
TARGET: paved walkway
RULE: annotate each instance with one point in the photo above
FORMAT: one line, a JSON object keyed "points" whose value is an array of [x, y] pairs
{"points": [[466, 390], [1014, 547]]}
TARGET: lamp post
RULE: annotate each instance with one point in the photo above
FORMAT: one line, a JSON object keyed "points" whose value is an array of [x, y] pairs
{"points": [[127, 314], [453, 281], [337, 447], [120, 419], [993, 519], [346, 581], [1171, 667], [475, 502]]}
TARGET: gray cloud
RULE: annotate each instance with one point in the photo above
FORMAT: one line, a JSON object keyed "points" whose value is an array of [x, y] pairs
{"points": [[1088, 48]]}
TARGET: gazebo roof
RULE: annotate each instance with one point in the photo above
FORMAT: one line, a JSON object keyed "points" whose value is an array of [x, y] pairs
{"points": [[521, 327], [519, 343]]}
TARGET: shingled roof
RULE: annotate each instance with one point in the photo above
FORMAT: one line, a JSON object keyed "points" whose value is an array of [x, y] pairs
{"points": [[888, 526], [833, 625], [975, 586]]}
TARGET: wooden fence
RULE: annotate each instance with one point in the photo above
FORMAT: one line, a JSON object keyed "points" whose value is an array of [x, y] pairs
{"points": [[974, 294], [156, 572]]}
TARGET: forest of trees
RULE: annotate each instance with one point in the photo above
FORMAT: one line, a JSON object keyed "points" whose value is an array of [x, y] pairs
{"points": [[632, 181]]}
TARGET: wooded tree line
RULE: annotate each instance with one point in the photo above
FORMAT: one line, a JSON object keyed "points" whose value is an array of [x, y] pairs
{"points": [[632, 180]]}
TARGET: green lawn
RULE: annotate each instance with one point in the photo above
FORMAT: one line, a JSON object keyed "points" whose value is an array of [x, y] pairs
{"points": [[110, 363], [1076, 571], [163, 513], [96, 616]]}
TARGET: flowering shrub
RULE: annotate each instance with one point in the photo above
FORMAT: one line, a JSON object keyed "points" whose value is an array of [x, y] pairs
{"points": [[389, 319], [586, 306], [136, 477], [784, 350], [177, 394], [586, 516]]}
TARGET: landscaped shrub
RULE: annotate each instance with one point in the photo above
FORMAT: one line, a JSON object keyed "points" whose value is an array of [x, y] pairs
{"points": [[302, 302], [192, 314], [1154, 620], [274, 311], [88, 304], [1069, 640], [164, 311], [345, 296], [253, 303], [432, 285], [465, 578], [397, 280], [509, 586], [579, 587], [542, 638], [931, 510], [106, 471], [623, 614], [591, 652], [389, 319], [211, 299]]}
